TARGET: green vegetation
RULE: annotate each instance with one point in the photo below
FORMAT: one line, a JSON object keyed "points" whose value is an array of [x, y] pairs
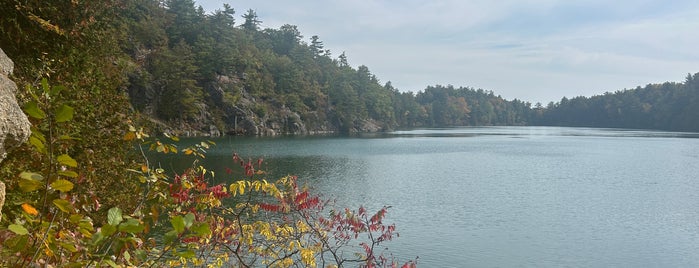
{"points": [[78, 195], [178, 220], [73, 45], [193, 70], [667, 106]]}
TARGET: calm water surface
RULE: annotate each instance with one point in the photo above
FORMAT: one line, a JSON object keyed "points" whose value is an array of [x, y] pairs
{"points": [[508, 196]]}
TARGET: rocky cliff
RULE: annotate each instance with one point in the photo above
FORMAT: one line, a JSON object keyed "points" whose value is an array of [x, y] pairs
{"points": [[14, 125], [245, 115], [231, 110]]}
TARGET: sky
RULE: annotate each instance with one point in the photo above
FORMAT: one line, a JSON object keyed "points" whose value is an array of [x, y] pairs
{"points": [[532, 50]]}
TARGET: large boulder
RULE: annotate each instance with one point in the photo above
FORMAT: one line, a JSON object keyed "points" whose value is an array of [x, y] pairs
{"points": [[14, 125]]}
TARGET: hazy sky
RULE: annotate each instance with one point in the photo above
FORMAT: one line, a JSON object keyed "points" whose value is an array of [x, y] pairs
{"points": [[537, 50]]}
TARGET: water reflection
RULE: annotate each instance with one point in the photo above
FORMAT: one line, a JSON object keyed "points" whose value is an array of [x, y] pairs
{"points": [[477, 197]]}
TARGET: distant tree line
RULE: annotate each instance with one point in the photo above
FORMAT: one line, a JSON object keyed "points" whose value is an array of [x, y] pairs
{"points": [[667, 106]]}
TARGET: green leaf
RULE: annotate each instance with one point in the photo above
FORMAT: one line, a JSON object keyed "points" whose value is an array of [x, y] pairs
{"points": [[67, 160], [32, 109], [64, 113], [69, 247], [29, 185], [127, 256], [108, 230], [201, 229], [31, 90], [17, 229], [16, 243], [45, 85], [188, 220], [178, 224], [131, 226], [30, 181], [55, 90], [187, 254], [75, 218], [170, 237], [114, 216], [86, 225], [31, 176], [77, 264], [68, 137], [37, 143], [68, 173], [62, 185], [98, 236], [63, 205], [38, 134]]}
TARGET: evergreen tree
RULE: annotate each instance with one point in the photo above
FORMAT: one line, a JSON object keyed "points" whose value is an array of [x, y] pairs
{"points": [[252, 22]]}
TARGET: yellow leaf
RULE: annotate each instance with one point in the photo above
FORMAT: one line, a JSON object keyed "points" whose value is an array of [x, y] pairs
{"points": [[172, 148], [29, 209], [28, 185], [62, 185], [256, 185], [241, 187], [234, 188], [63, 205], [68, 173], [307, 257], [65, 159]]}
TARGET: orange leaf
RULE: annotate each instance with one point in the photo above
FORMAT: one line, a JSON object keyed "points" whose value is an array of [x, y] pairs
{"points": [[29, 209]]}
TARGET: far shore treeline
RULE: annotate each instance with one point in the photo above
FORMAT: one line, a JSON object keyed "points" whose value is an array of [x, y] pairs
{"points": [[220, 73]]}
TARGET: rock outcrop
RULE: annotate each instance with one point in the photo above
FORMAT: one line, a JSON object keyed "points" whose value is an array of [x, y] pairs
{"points": [[249, 116], [14, 125], [231, 110]]}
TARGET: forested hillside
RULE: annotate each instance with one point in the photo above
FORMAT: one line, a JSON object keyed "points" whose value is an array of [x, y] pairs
{"points": [[667, 106], [192, 72], [213, 73], [83, 192]]}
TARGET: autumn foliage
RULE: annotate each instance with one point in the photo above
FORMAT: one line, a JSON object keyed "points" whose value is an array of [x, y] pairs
{"points": [[189, 219]]}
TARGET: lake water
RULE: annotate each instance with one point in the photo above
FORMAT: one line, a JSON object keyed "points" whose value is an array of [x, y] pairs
{"points": [[508, 196]]}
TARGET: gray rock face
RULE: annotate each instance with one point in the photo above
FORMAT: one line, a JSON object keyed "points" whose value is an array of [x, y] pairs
{"points": [[14, 125]]}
